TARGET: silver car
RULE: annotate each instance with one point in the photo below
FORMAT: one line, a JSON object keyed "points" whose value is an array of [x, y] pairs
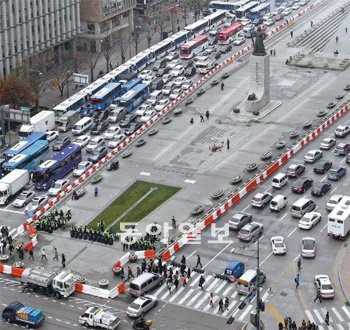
{"points": [[250, 231], [141, 306], [24, 198]]}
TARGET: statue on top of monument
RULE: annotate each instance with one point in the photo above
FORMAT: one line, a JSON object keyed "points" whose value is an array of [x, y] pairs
{"points": [[258, 43]]}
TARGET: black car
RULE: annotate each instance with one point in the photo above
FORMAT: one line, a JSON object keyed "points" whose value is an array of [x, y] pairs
{"points": [[61, 142], [98, 128], [101, 115], [320, 188], [188, 64], [190, 71], [127, 120], [213, 41], [163, 71], [258, 21], [322, 167], [342, 149], [132, 128], [217, 55], [301, 185], [98, 154], [226, 49], [335, 174]]}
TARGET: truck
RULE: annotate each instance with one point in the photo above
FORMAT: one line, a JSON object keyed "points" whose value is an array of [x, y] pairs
{"points": [[96, 317], [12, 184], [338, 224], [61, 284], [205, 64], [17, 312], [68, 120], [41, 122]]}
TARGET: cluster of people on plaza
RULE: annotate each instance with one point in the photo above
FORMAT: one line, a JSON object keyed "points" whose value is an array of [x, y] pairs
{"points": [[290, 324], [6, 242], [53, 221]]}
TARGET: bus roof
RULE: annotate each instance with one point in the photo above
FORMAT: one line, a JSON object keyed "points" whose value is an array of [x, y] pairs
{"points": [[262, 6], [194, 41], [247, 276], [230, 28], [130, 94], [105, 91], [247, 6], [342, 210], [25, 143], [197, 24]]}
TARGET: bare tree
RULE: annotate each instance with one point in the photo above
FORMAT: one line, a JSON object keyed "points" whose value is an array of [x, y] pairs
{"points": [[92, 60], [196, 6], [135, 38], [122, 43], [151, 29], [108, 49], [162, 22]]}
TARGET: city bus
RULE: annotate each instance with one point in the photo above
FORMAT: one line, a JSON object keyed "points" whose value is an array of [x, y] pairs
{"points": [[134, 97], [226, 35], [193, 47], [104, 97], [29, 158], [161, 48], [244, 10], [259, 11], [130, 84], [199, 26], [223, 5], [23, 144], [58, 167], [216, 17]]}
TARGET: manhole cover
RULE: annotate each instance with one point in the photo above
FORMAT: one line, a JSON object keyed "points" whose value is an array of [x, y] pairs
{"points": [[283, 294]]}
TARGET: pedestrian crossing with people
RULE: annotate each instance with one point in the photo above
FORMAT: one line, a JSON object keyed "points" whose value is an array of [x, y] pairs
{"points": [[339, 317]]}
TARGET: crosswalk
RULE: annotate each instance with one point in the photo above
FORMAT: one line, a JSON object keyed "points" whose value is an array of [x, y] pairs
{"points": [[339, 317], [191, 296]]}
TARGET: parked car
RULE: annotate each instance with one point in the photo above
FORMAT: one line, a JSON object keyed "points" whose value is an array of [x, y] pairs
{"points": [[37, 203], [148, 80], [24, 198], [278, 203], [261, 199], [308, 247], [309, 220], [313, 156], [342, 131], [82, 140], [209, 50], [61, 143], [269, 22], [142, 109], [141, 305], [174, 63], [327, 144], [175, 93], [294, 170], [145, 73], [127, 120], [98, 154], [178, 70], [336, 173], [133, 127], [320, 188], [278, 245], [323, 166], [167, 77], [116, 115], [324, 285], [99, 128], [190, 71], [250, 231], [239, 220], [301, 185], [81, 168], [58, 186], [187, 84], [51, 135], [179, 81]]}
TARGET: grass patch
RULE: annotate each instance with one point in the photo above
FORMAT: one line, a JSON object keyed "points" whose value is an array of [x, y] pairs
{"points": [[131, 196]]}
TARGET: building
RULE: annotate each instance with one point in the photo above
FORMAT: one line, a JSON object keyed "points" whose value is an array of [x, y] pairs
{"points": [[31, 26], [103, 18]]}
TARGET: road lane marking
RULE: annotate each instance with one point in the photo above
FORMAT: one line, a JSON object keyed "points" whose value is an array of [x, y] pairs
{"points": [[189, 256], [220, 286], [318, 315], [209, 288], [218, 254], [334, 190], [145, 173], [229, 308], [296, 257], [190, 181], [227, 290], [247, 310], [208, 306], [186, 296], [269, 255], [200, 302], [337, 314], [193, 299], [283, 217], [309, 315], [323, 228], [246, 208], [346, 311], [12, 211], [176, 294], [291, 233]]}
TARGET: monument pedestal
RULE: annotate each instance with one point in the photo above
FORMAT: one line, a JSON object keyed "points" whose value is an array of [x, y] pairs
{"points": [[259, 92]]}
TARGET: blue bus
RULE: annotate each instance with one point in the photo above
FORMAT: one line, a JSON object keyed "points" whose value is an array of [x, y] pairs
{"points": [[131, 84], [23, 144], [58, 167], [259, 11], [104, 97], [241, 12], [29, 158], [134, 97]]}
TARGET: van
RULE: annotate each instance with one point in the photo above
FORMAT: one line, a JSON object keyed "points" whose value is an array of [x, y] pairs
{"points": [[247, 282], [82, 126], [159, 65], [168, 88], [156, 84], [278, 203], [154, 97], [234, 270], [301, 206], [280, 180], [118, 113], [144, 283]]}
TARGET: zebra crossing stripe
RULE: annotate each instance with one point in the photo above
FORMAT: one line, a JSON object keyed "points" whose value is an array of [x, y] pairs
{"points": [[212, 284], [159, 290], [346, 311], [220, 287], [318, 315], [340, 327], [337, 314], [200, 302], [309, 315], [324, 311], [186, 296], [193, 283], [193, 299], [246, 311], [176, 294], [234, 294], [208, 306], [229, 307], [167, 292], [227, 290]]}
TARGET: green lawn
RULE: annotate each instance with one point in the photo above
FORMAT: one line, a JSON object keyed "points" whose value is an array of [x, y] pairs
{"points": [[129, 197]]}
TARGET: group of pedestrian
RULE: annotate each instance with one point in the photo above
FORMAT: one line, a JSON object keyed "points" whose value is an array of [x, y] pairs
{"points": [[223, 305], [201, 117], [289, 324], [273, 52], [44, 257], [6, 242]]}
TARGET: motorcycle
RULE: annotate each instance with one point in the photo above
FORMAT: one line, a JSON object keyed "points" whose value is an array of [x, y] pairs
{"points": [[142, 324], [113, 166]]}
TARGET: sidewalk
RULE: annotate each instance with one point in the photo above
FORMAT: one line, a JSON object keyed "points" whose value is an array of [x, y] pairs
{"points": [[344, 272]]}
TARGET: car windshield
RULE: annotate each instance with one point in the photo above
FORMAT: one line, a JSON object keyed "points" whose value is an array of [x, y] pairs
{"points": [[304, 219], [333, 171], [93, 143], [111, 130], [57, 185], [134, 306], [326, 287], [81, 167], [257, 199], [22, 197], [79, 140], [244, 231], [279, 244], [308, 245]]}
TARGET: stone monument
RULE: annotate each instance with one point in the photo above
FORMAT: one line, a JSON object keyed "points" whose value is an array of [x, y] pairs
{"points": [[259, 92]]}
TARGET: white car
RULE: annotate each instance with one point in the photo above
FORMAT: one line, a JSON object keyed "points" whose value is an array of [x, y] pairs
{"points": [[148, 115], [213, 32], [324, 284], [51, 135], [167, 77], [177, 70], [239, 41], [82, 140], [269, 22], [111, 131], [37, 203], [81, 168], [261, 199], [179, 81], [148, 80], [58, 186], [174, 63], [161, 104], [312, 156], [308, 247], [333, 202], [172, 56], [278, 203], [327, 143], [116, 139], [296, 6], [24, 198], [268, 16], [145, 73], [141, 305], [286, 12], [309, 220], [210, 49], [175, 93], [278, 245], [142, 109], [94, 143], [187, 84]]}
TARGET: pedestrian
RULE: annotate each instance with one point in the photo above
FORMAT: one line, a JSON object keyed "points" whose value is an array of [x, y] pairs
{"points": [[188, 272], [43, 254], [326, 319], [207, 115], [182, 269], [286, 322], [311, 23], [143, 265], [31, 255], [173, 222], [274, 52], [96, 191], [291, 34], [183, 280], [55, 253], [183, 260], [221, 305], [346, 30], [222, 86], [271, 52], [227, 302], [318, 296], [63, 260], [299, 264], [176, 282], [294, 326], [297, 281], [228, 144], [138, 271], [169, 283], [280, 326], [201, 282], [191, 121], [130, 273], [211, 297], [202, 118], [75, 195], [198, 261], [336, 39]]}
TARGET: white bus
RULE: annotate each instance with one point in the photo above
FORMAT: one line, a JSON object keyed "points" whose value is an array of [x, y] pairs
{"points": [[247, 282], [244, 10], [339, 219]]}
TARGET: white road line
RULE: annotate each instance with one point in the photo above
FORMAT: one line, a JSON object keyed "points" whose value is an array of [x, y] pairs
{"points": [[325, 226], [58, 320], [247, 310], [246, 208], [220, 287], [186, 296], [227, 290], [324, 311], [193, 283], [189, 256], [319, 316], [165, 294], [269, 255], [324, 178], [346, 311], [212, 284], [334, 190], [49, 317], [12, 211], [309, 315], [229, 307], [337, 314], [145, 173], [218, 254], [291, 233], [176, 294], [200, 302], [159, 290], [190, 181], [340, 327], [283, 217], [265, 295], [208, 306], [234, 294], [297, 257], [193, 299]]}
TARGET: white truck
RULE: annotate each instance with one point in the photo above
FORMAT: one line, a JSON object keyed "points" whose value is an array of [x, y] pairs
{"points": [[68, 120], [41, 122], [12, 183], [338, 224], [205, 65], [60, 284], [96, 317]]}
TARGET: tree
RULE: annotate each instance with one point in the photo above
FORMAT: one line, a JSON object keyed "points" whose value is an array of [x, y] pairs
{"points": [[108, 49], [151, 29], [92, 60], [17, 92], [122, 43], [162, 22], [135, 37], [194, 5]]}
